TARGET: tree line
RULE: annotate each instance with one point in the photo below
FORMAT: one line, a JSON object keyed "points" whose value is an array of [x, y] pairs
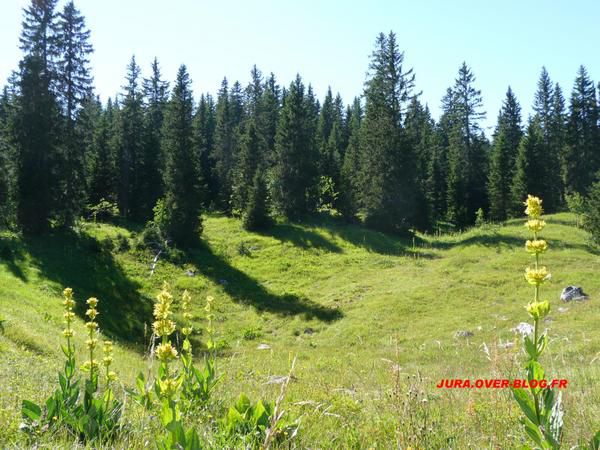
{"points": [[264, 150]]}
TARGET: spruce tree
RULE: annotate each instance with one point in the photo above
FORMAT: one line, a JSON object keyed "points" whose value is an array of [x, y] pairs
{"points": [[528, 166], [183, 196], [504, 154], [103, 167], [224, 147], [156, 92], [582, 158], [74, 89], [348, 203], [130, 157], [7, 160], [256, 212], [467, 158], [268, 117], [387, 183], [295, 169], [544, 108], [204, 130], [248, 161]]}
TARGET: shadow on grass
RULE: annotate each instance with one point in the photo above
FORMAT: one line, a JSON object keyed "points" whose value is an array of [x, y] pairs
{"points": [[11, 256], [246, 290], [300, 237], [78, 261]]}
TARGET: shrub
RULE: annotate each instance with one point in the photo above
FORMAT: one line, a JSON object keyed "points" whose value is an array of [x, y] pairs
{"points": [[591, 217]]}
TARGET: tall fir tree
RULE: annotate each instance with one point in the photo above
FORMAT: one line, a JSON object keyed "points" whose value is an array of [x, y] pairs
{"points": [[349, 180], [224, 147], [131, 145], [248, 161], [387, 182], [582, 156], [295, 169], [507, 137], [528, 166], [103, 184], [183, 196], [74, 88], [156, 92], [543, 106], [204, 130], [467, 158]]}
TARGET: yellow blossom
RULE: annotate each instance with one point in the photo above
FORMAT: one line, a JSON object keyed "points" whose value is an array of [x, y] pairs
{"points": [[186, 331], [68, 333], [168, 387], [91, 343], [69, 316], [69, 303], [111, 376], [538, 310], [90, 365], [163, 327], [91, 326], [107, 361], [68, 293], [92, 302], [166, 352], [536, 246], [536, 276], [92, 313], [108, 346], [535, 225], [534, 207]]}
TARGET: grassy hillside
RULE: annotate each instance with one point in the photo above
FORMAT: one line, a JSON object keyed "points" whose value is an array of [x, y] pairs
{"points": [[371, 318]]}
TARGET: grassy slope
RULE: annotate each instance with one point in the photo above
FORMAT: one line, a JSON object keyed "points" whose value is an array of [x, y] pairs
{"points": [[363, 312]]}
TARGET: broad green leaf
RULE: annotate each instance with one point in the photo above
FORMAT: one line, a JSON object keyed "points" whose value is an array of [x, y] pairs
{"points": [[526, 403], [30, 410]]}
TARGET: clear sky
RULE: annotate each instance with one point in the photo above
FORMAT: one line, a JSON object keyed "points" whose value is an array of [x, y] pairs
{"points": [[329, 42]]}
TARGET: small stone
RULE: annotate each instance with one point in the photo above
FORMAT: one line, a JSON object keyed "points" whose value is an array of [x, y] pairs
{"points": [[562, 310], [309, 330], [573, 293], [263, 347], [190, 273], [463, 334]]}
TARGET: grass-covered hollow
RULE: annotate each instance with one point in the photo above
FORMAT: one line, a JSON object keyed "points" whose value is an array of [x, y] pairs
{"points": [[372, 320]]}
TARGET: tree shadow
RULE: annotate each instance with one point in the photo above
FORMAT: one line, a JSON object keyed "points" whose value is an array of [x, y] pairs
{"points": [[300, 237], [379, 242], [79, 261], [11, 255], [246, 290]]}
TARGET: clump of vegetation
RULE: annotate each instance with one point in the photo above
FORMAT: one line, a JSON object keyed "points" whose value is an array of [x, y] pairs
{"points": [[96, 416], [576, 204]]}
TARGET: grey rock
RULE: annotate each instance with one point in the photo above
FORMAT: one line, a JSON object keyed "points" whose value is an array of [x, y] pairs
{"points": [[463, 334], [573, 293], [190, 273]]}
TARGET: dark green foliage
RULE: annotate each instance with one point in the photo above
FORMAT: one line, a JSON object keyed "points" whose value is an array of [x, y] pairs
{"points": [[156, 93], [349, 181], [130, 145], [38, 32], [248, 161], [503, 157], [386, 179], [204, 129], [295, 170], [103, 167], [183, 197], [528, 166], [256, 213], [34, 127], [582, 156], [467, 154], [591, 218], [224, 147]]}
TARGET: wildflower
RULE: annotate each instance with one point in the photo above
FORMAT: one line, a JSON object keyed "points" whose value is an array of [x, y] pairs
{"points": [[107, 361], [536, 246], [538, 310], [168, 387], [68, 293], [68, 333], [186, 331], [92, 313], [535, 225], [162, 310], [90, 366], [91, 326], [164, 327], [534, 207], [92, 302], [68, 315], [91, 343], [166, 352], [536, 276], [111, 376], [108, 346], [69, 303]]}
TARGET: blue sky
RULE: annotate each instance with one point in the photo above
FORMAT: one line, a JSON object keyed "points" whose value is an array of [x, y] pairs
{"points": [[329, 42]]}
